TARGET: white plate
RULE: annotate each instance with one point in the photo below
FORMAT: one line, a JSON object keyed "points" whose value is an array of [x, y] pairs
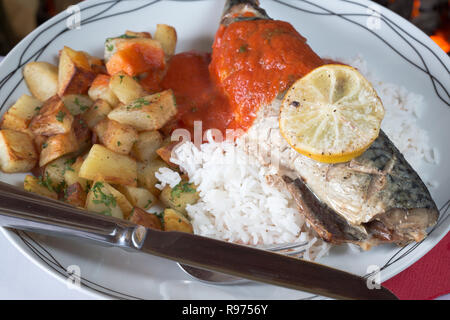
{"points": [[396, 52]]}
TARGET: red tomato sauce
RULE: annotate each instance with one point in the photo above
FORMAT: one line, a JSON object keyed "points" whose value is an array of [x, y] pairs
{"points": [[252, 62], [198, 98]]}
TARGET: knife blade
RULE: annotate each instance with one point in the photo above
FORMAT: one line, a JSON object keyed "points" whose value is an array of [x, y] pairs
{"points": [[22, 211], [260, 265]]}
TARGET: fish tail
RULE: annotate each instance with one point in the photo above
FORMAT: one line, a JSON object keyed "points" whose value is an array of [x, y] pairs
{"points": [[238, 10]]}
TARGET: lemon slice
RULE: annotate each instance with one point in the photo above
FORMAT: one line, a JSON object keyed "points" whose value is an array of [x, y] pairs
{"points": [[332, 114]]}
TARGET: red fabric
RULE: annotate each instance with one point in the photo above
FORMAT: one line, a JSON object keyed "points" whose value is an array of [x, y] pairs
{"points": [[426, 279]]}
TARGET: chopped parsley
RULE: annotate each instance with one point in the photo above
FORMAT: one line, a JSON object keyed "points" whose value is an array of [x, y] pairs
{"points": [[60, 116], [100, 197], [109, 47], [82, 123], [61, 187], [148, 204], [83, 107], [49, 184], [121, 78], [119, 143], [160, 215], [37, 109], [126, 36], [68, 165], [137, 104], [46, 182], [44, 145], [182, 187], [243, 48]]}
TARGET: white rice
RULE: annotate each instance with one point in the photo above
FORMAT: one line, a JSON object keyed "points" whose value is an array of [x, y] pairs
{"points": [[239, 202], [167, 177]]}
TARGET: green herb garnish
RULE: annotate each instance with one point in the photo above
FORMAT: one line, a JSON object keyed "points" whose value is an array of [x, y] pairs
{"points": [[160, 215], [46, 182], [82, 106], [148, 204], [182, 187], [102, 198], [44, 145], [60, 116], [68, 165], [109, 47], [121, 79], [137, 104], [243, 48], [126, 36], [61, 187]]}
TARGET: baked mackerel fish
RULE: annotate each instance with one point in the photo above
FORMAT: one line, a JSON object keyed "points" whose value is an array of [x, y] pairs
{"points": [[373, 199]]}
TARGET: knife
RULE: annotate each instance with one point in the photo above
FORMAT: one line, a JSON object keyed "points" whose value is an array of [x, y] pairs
{"points": [[25, 211]]}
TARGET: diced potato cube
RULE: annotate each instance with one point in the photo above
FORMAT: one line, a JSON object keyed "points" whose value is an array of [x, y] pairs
{"points": [[122, 202], [41, 79], [102, 163], [146, 175], [100, 90], [97, 113], [75, 74], [19, 116], [57, 146], [148, 220], [55, 170], [97, 65], [180, 196], [33, 184], [53, 118], [39, 142], [17, 152], [125, 88], [82, 133], [77, 103], [167, 36], [133, 34], [165, 152], [175, 221], [138, 197], [76, 195], [133, 56], [71, 174], [111, 47], [101, 200], [147, 113], [147, 144], [115, 136]]}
